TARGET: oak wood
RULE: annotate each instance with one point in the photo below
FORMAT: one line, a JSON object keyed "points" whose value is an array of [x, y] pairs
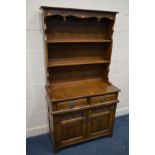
{"points": [[77, 30], [71, 104], [83, 107], [85, 88], [81, 100], [77, 61], [77, 73], [75, 9], [84, 125], [78, 40], [103, 98], [81, 53]]}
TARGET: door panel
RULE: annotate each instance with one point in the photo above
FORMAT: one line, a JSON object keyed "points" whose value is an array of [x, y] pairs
{"points": [[71, 128], [99, 124], [101, 121], [72, 131]]}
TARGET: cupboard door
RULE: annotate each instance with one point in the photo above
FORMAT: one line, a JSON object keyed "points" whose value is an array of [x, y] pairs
{"points": [[101, 121], [70, 128]]}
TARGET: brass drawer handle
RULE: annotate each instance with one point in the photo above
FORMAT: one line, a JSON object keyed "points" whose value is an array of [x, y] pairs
{"points": [[102, 100], [71, 104]]}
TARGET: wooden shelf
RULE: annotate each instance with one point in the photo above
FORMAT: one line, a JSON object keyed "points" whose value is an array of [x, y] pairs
{"points": [[75, 61], [78, 40], [78, 89]]}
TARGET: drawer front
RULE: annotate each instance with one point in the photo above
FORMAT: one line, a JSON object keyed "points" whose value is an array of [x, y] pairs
{"points": [[103, 98], [71, 104]]}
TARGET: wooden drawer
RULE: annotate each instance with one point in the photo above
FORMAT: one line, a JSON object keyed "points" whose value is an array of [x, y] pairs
{"points": [[103, 98], [71, 104], [103, 108]]}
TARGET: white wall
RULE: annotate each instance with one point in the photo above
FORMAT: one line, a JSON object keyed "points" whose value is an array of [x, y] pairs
{"points": [[36, 94]]}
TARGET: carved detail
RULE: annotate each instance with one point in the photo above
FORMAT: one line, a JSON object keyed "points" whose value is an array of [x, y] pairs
{"points": [[79, 15], [113, 107]]}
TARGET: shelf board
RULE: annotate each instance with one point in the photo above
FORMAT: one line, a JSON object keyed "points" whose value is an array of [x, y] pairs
{"points": [[78, 40], [78, 89], [75, 61]]}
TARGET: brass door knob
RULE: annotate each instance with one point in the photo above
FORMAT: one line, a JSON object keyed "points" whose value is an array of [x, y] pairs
{"points": [[71, 104]]}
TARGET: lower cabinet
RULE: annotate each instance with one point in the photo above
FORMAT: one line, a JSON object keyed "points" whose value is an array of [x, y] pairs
{"points": [[74, 127]]}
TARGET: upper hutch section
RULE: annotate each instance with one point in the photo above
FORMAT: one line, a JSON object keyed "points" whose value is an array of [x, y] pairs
{"points": [[76, 25], [78, 52]]}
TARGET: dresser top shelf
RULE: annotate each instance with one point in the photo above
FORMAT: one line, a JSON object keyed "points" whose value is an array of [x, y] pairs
{"points": [[75, 9], [79, 13], [79, 89]]}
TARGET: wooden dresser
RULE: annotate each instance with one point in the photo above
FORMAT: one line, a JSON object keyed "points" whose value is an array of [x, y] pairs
{"points": [[82, 101]]}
